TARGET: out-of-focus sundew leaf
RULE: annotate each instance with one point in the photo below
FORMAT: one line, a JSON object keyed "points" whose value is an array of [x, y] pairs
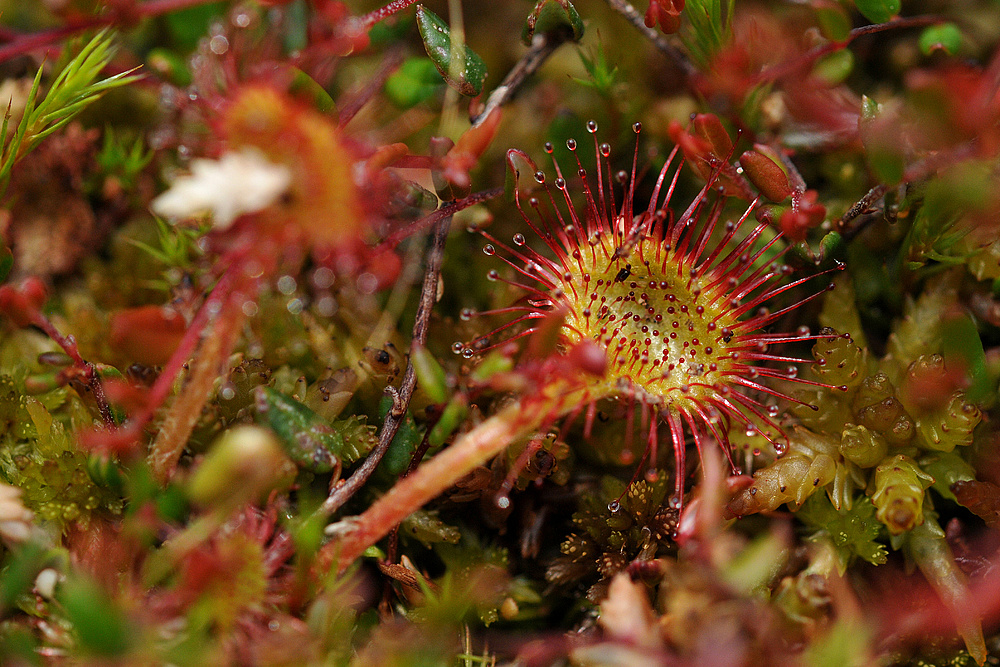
{"points": [[833, 21]]}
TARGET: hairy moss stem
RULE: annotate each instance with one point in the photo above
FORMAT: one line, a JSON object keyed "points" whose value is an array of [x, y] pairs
{"points": [[206, 366]]}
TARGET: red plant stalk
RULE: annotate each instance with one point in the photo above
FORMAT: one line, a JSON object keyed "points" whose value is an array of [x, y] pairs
{"points": [[432, 478], [208, 364], [655, 310]]}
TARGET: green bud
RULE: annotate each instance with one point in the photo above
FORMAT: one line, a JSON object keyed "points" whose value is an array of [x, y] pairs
{"points": [[949, 427], [243, 466], [899, 493], [861, 446], [839, 361]]}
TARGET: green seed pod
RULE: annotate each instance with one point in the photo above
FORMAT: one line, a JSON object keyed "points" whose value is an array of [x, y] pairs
{"points": [[861, 446], [311, 442], [899, 493], [877, 408], [791, 479], [952, 426], [838, 360]]}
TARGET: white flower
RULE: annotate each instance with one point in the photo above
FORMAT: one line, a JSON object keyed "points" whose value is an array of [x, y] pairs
{"points": [[15, 519], [238, 182]]}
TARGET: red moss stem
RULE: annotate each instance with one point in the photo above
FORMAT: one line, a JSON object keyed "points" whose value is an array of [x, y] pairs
{"points": [[207, 365]]}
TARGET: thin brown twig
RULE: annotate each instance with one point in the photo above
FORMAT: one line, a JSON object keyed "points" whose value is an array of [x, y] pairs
{"points": [[401, 400], [633, 16], [542, 46]]}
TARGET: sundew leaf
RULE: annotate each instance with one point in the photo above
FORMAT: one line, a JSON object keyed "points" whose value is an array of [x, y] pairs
{"points": [[467, 76]]}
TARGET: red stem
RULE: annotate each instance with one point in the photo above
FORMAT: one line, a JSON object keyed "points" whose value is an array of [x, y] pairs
{"points": [[788, 68], [385, 12], [21, 44]]}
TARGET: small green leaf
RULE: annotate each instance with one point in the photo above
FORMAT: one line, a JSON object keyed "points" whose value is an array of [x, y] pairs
{"points": [[495, 362], [6, 261], [169, 66], [882, 139], [20, 567], [602, 77], [878, 11], [869, 108], [187, 26], [947, 468], [308, 88], [551, 16], [430, 375], [308, 439], [833, 22], [415, 81], [946, 37], [961, 342], [452, 416], [468, 77], [853, 532], [835, 68], [408, 437], [100, 626]]}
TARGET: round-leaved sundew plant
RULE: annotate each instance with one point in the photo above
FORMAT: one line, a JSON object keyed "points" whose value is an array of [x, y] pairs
{"points": [[664, 311]]}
